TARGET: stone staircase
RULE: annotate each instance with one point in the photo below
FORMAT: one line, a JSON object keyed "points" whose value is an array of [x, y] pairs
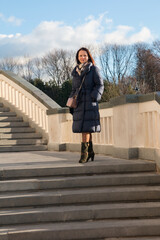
{"points": [[16, 135], [63, 200]]}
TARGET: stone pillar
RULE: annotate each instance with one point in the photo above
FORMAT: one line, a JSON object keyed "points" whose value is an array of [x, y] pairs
{"points": [[56, 118], [126, 130]]}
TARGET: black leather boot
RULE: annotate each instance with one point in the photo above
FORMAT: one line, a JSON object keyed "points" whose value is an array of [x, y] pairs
{"points": [[90, 152]]}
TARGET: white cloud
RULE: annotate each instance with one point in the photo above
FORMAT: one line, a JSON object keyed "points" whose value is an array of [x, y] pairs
{"points": [[118, 36], [11, 19], [143, 36], [122, 35], [49, 35], [2, 17], [14, 20]]}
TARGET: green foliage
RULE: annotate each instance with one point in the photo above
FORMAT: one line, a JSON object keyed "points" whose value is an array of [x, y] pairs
{"points": [[111, 90], [65, 92], [54, 92], [130, 90], [38, 83], [57, 93]]}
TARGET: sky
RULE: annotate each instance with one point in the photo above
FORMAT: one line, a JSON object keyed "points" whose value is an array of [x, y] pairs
{"points": [[36, 27]]}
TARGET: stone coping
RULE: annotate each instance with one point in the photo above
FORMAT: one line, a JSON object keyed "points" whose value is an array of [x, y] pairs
{"points": [[131, 98], [121, 100], [37, 93]]}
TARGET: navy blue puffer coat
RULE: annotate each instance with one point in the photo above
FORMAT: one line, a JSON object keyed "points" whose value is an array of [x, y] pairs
{"points": [[86, 116]]}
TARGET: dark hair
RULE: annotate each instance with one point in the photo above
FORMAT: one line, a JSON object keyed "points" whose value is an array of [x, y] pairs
{"points": [[90, 58]]}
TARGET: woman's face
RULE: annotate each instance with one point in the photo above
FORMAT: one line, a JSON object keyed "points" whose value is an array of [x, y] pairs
{"points": [[83, 56]]}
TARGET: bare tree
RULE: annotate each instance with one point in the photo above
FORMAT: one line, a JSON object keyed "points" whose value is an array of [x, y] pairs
{"points": [[26, 68], [116, 63], [37, 69], [10, 64], [156, 46], [147, 71], [58, 65]]}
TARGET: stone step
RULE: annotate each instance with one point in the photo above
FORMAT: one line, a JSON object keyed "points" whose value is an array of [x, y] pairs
{"points": [[7, 114], [17, 130], [14, 124], [7, 142], [79, 213], [80, 181], [24, 148], [16, 136], [52, 196], [44, 169], [80, 196], [20, 135], [82, 230], [4, 109], [11, 119]]}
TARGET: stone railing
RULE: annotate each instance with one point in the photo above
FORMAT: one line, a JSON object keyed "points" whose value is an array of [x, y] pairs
{"points": [[130, 128], [26, 100], [130, 124]]}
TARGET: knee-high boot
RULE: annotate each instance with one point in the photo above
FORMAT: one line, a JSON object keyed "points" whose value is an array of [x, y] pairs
{"points": [[90, 152], [84, 152]]}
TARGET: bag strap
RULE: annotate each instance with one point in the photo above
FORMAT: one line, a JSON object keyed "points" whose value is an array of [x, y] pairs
{"points": [[81, 84]]}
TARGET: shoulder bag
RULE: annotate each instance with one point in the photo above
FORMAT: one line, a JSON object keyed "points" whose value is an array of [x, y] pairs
{"points": [[72, 101]]}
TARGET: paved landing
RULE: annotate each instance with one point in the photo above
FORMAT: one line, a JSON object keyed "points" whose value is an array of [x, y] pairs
{"points": [[57, 159]]}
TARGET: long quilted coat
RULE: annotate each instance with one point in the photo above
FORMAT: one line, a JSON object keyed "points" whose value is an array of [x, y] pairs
{"points": [[86, 116]]}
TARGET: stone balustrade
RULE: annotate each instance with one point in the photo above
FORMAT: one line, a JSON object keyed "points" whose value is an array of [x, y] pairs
{"points": [[130, 124], [26, 100], [130, 128]]}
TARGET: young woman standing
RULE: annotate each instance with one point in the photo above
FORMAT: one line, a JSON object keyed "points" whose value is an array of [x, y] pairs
{"points": [[86, 119]]}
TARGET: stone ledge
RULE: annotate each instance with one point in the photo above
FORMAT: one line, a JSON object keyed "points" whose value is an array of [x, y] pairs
{"points": [[117, 101], [37, 93], [125, 153], [132, 98], [58, 111]]}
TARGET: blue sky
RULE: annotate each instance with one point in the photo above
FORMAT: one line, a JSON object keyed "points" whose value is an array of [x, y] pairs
{"points": [[34, 27]]}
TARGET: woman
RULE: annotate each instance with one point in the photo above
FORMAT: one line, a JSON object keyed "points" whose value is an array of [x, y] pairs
{"points": [[86, 119]]}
